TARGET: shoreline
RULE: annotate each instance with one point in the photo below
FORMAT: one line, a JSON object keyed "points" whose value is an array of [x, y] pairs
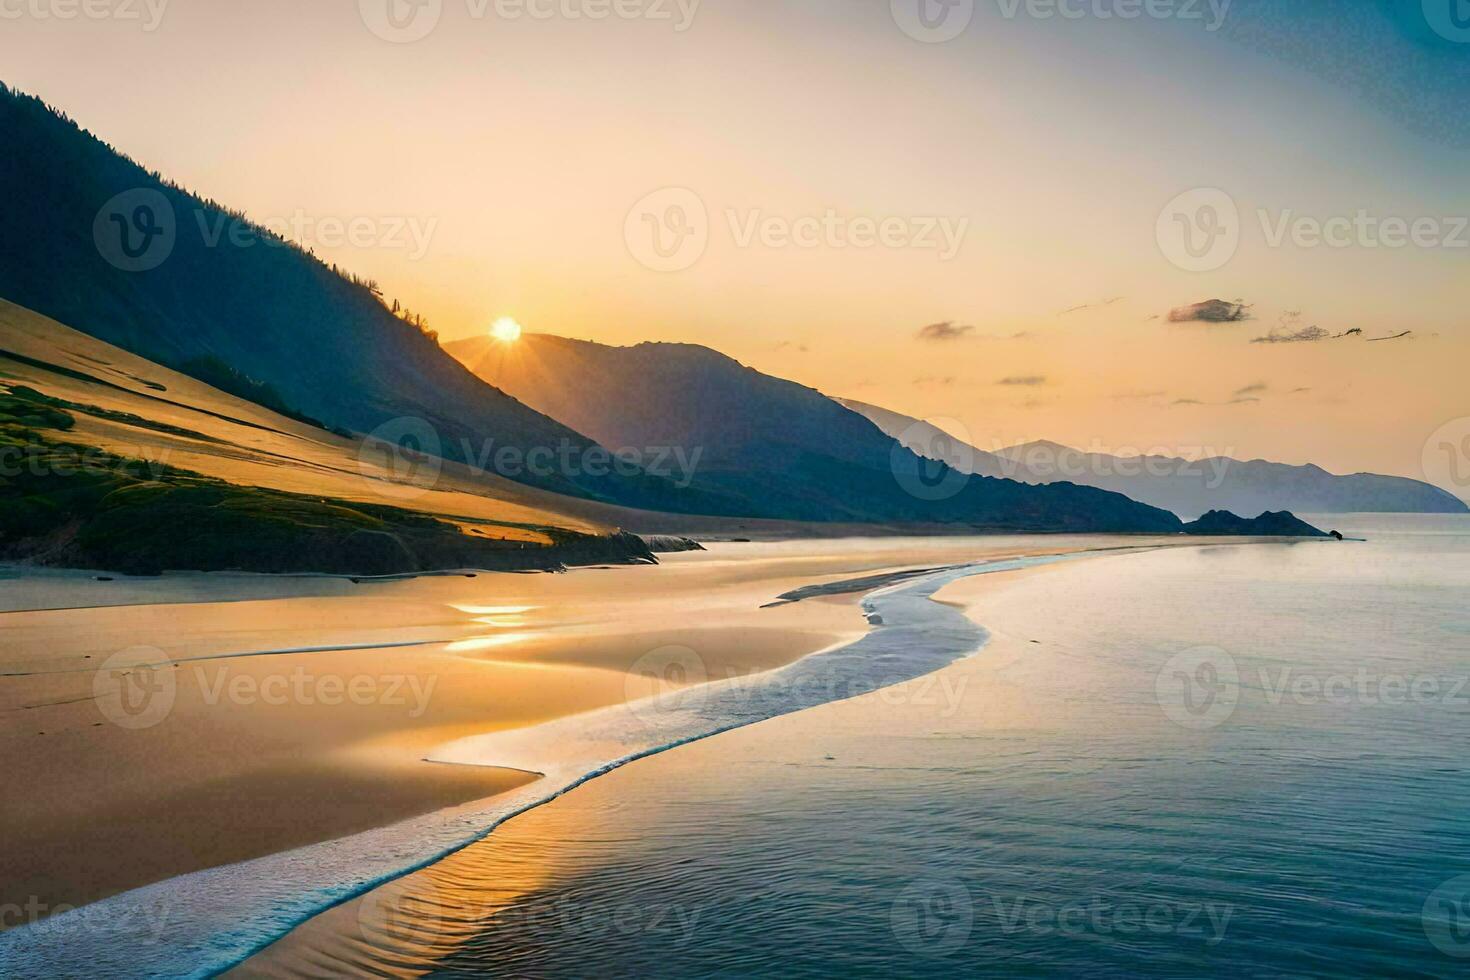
{"points": [[1028, 547]]}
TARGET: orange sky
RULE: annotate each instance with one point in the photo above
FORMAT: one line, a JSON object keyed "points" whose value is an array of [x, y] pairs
{"points": [[519, 150]]}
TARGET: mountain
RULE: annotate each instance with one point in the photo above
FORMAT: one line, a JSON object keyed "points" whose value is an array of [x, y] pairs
{"points": [[1278, 524], [1186, 487], [787, 450], [130, 467], [94, 241]]}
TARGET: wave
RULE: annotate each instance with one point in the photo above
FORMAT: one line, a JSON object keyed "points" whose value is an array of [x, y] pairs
{"points": [[201, 923]]}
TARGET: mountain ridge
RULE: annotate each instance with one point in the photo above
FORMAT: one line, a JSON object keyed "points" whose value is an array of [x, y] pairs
{"points": [[1178, 484]]}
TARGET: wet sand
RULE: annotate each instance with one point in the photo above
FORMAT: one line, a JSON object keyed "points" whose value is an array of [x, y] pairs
{"points": [[305, 714]]}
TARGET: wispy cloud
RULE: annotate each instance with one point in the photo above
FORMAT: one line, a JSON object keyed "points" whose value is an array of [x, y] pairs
{"points": [[1100, 304], [1301, 335], [1023, 381], [931, 380], [944, 330], [1211, 311], [1259, 388]]}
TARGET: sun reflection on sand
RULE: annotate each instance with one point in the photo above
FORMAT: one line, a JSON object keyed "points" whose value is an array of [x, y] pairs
{"points": [[487, 642], [491, 610]]}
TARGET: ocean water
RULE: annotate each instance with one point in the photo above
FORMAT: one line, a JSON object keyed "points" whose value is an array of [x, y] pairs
{"points": [[216, 917], [1239, 761]]}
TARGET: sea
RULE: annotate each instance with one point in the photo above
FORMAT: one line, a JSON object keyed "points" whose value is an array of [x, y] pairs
{"points": [[1242, 761]]}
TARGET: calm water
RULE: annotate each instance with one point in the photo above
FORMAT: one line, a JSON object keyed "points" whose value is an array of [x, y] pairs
{"points": [[1245, 760]]}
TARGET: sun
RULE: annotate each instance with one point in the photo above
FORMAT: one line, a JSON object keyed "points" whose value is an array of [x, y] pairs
{"points": [[506, 330]]}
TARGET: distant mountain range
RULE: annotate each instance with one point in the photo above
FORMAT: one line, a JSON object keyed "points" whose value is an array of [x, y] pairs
{"points": [[1189, 488], [787, 449]]}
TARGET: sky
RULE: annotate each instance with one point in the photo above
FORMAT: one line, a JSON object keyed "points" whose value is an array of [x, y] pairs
{"points": [[1013, 217]]}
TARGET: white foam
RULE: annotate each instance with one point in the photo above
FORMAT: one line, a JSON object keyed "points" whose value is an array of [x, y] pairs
{"points": [[201, 923]]}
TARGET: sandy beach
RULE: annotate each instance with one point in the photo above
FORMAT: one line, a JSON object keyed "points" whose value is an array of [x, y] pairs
{"points": [[400, 729], [304, 714]]}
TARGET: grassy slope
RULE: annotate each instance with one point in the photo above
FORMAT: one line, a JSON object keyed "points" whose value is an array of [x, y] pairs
{"points": [[70, 504]]}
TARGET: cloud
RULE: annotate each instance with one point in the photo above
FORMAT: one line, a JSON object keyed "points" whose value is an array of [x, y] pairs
{"points": [[1397, 336], [1299, 391], [1302, 335], [1259, 388], [1023, 381], [1238, 400], [1211, 311], [793, 345], [930, 380], [1092, 306], [944, 330], [1311, 335]]}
